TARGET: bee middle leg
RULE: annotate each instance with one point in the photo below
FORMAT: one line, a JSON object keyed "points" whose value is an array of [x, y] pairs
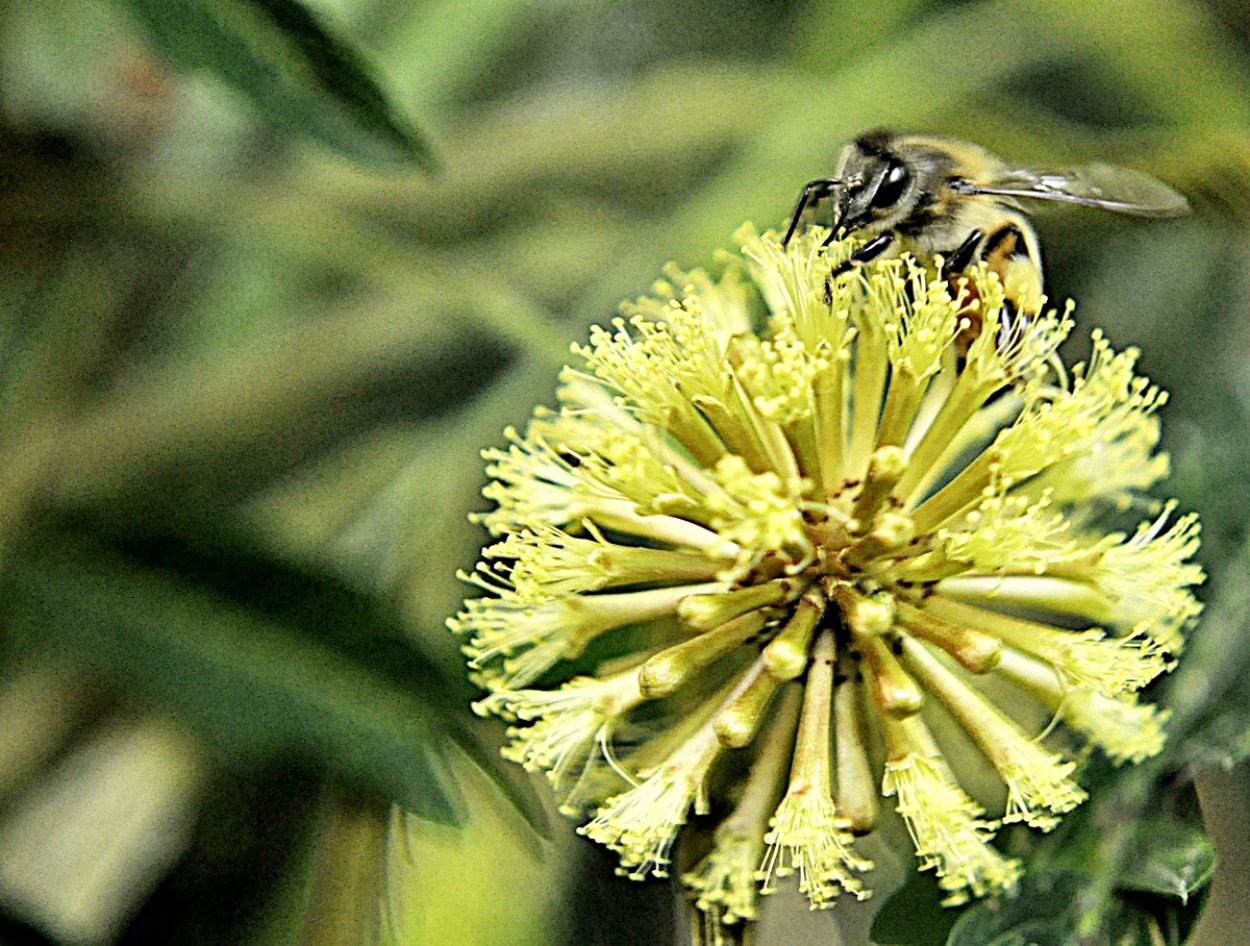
{"points": [[962, 291], [963, 255], [865, 254]]}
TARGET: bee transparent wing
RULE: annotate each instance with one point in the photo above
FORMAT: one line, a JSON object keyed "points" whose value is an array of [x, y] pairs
{"points": [[1093, 185]]}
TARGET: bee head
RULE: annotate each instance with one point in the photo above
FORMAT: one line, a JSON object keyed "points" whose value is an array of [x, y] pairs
{"points": [[882, 185]]}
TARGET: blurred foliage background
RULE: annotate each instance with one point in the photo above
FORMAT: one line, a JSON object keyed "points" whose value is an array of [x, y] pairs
{"points": [[272, 273]]}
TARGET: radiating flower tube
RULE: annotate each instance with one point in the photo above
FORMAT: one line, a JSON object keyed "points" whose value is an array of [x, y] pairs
{"points": [[784, 530]]}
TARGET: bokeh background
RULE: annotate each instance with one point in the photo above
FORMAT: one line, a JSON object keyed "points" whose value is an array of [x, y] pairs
{"points": [[272, 273]]}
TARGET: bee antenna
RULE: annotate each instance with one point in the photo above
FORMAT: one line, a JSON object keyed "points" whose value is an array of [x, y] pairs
{"points": [[812, 194]]}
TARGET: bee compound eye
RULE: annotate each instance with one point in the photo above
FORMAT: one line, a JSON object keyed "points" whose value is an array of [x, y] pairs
{"points": [[893, 185]]}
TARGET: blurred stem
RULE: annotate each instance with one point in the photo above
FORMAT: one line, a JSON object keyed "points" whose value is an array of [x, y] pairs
{"points": [[40, 704], [1225, 800], [348, 872]]}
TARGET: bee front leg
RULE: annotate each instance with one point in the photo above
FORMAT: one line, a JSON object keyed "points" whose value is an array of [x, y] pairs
{"points": [[812, 194]]}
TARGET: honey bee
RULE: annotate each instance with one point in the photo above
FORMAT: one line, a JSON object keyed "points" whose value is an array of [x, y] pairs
{"points": [[932, 195]]}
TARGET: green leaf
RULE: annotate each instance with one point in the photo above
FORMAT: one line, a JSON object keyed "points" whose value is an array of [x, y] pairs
{"points": [[1169, 857], [300, 75], [247, 683]]}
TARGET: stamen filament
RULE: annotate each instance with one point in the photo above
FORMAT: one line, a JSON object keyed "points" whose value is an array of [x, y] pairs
{"points": [[737, 724], [885, 466], [830, 406], [736, 431], [1039, 785], [857, 789], [702, 612], [977, 652], [673, 666], [786, 654], [896, 692]]}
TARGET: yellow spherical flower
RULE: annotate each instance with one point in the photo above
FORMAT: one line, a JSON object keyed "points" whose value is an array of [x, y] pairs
{"points": [[763, 576]]}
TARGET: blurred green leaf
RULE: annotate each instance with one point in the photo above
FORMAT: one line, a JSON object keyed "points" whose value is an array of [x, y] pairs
{"points": [[1042, 912], [200, 433], [291, 67], [1169, 857], [443, 44], [253, 680], [1152, 49], [1123, 868]]}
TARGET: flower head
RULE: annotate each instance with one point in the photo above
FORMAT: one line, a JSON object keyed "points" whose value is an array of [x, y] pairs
{"points": [[754, 566]]}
